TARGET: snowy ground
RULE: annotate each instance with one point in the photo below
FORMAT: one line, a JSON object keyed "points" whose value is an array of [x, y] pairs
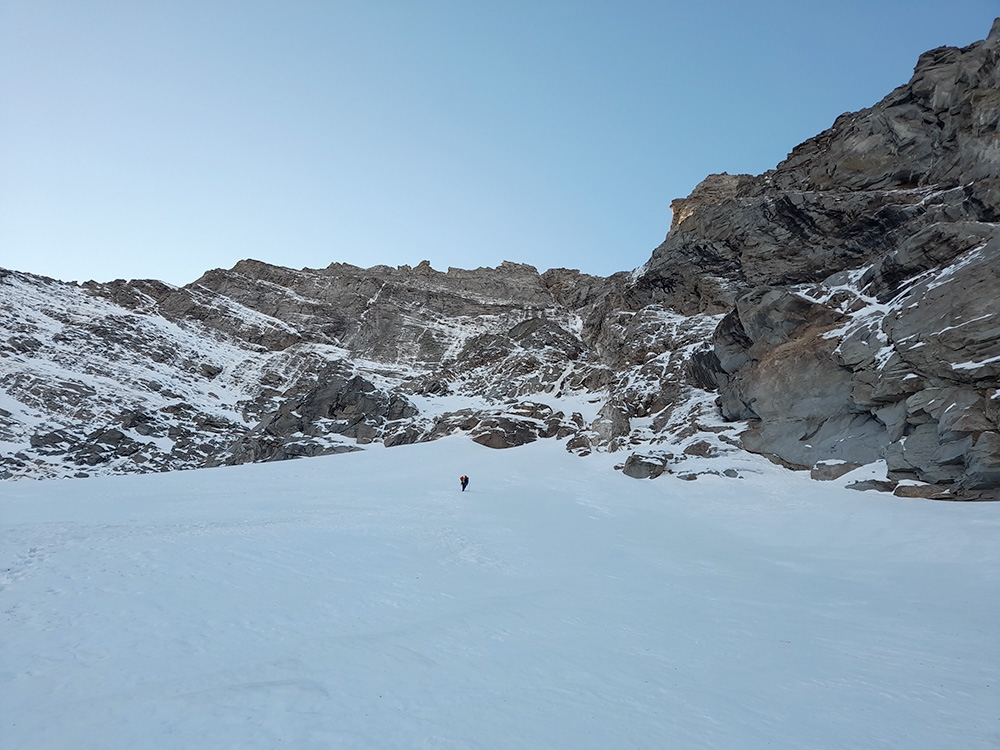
{"points": [[362, 601]]}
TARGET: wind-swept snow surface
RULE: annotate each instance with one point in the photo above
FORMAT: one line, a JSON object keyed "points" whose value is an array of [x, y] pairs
{"points": [[363, 601]]}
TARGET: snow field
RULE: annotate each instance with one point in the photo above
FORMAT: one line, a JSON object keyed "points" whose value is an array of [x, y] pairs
{"points": [[363, 601]]}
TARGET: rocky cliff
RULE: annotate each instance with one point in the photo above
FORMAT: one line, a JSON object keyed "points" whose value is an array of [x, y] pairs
{"points": [[856, 278], [835, 311], [261, 362]]}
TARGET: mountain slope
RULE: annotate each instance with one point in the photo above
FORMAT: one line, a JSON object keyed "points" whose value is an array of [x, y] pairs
{"points": [[364, 601], [262, 362]]}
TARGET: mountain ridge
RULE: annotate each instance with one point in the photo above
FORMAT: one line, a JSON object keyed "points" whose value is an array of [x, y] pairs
{"points": [[833, 311]]}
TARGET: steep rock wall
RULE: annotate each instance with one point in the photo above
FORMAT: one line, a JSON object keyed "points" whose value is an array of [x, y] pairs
{"points": [[876, 244]]}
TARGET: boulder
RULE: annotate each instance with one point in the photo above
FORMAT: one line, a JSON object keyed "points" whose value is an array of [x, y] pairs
{"points": [[503, 432], [612, 422], [701, 448], [639, 466], [879, 485], [826, 471]]}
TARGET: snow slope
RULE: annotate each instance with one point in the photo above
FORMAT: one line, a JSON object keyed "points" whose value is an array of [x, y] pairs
{"points": [[362, 601]]}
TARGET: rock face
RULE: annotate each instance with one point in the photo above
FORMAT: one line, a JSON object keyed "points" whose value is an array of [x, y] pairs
{"points": [[834, 311], [262, 363], [858, 193], [856, 278]]}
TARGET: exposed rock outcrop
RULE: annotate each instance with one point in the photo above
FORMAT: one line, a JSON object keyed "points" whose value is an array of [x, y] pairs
{"points": [[855, 275], [925, 155]]}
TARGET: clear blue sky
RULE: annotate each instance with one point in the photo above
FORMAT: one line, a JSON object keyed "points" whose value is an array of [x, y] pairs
{"points": [[162, 139]]}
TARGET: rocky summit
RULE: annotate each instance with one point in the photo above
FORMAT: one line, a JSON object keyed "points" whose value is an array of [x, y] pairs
{"points": [[838, 310]]}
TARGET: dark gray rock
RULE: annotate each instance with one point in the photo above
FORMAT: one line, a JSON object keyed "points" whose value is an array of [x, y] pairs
{"points": [[771, 317], [640, 466], [926, 491], [612, 422], [704, 370], [503, 432], [826, 471], [983, 463], [879, 485], [732, 344], [701, 448]]}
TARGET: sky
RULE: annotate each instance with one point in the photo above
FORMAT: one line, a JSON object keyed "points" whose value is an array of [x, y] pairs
{"points": [[161, 140]]}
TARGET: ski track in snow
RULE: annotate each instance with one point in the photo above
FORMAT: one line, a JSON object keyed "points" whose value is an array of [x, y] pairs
{"points": [[362, 601]]}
